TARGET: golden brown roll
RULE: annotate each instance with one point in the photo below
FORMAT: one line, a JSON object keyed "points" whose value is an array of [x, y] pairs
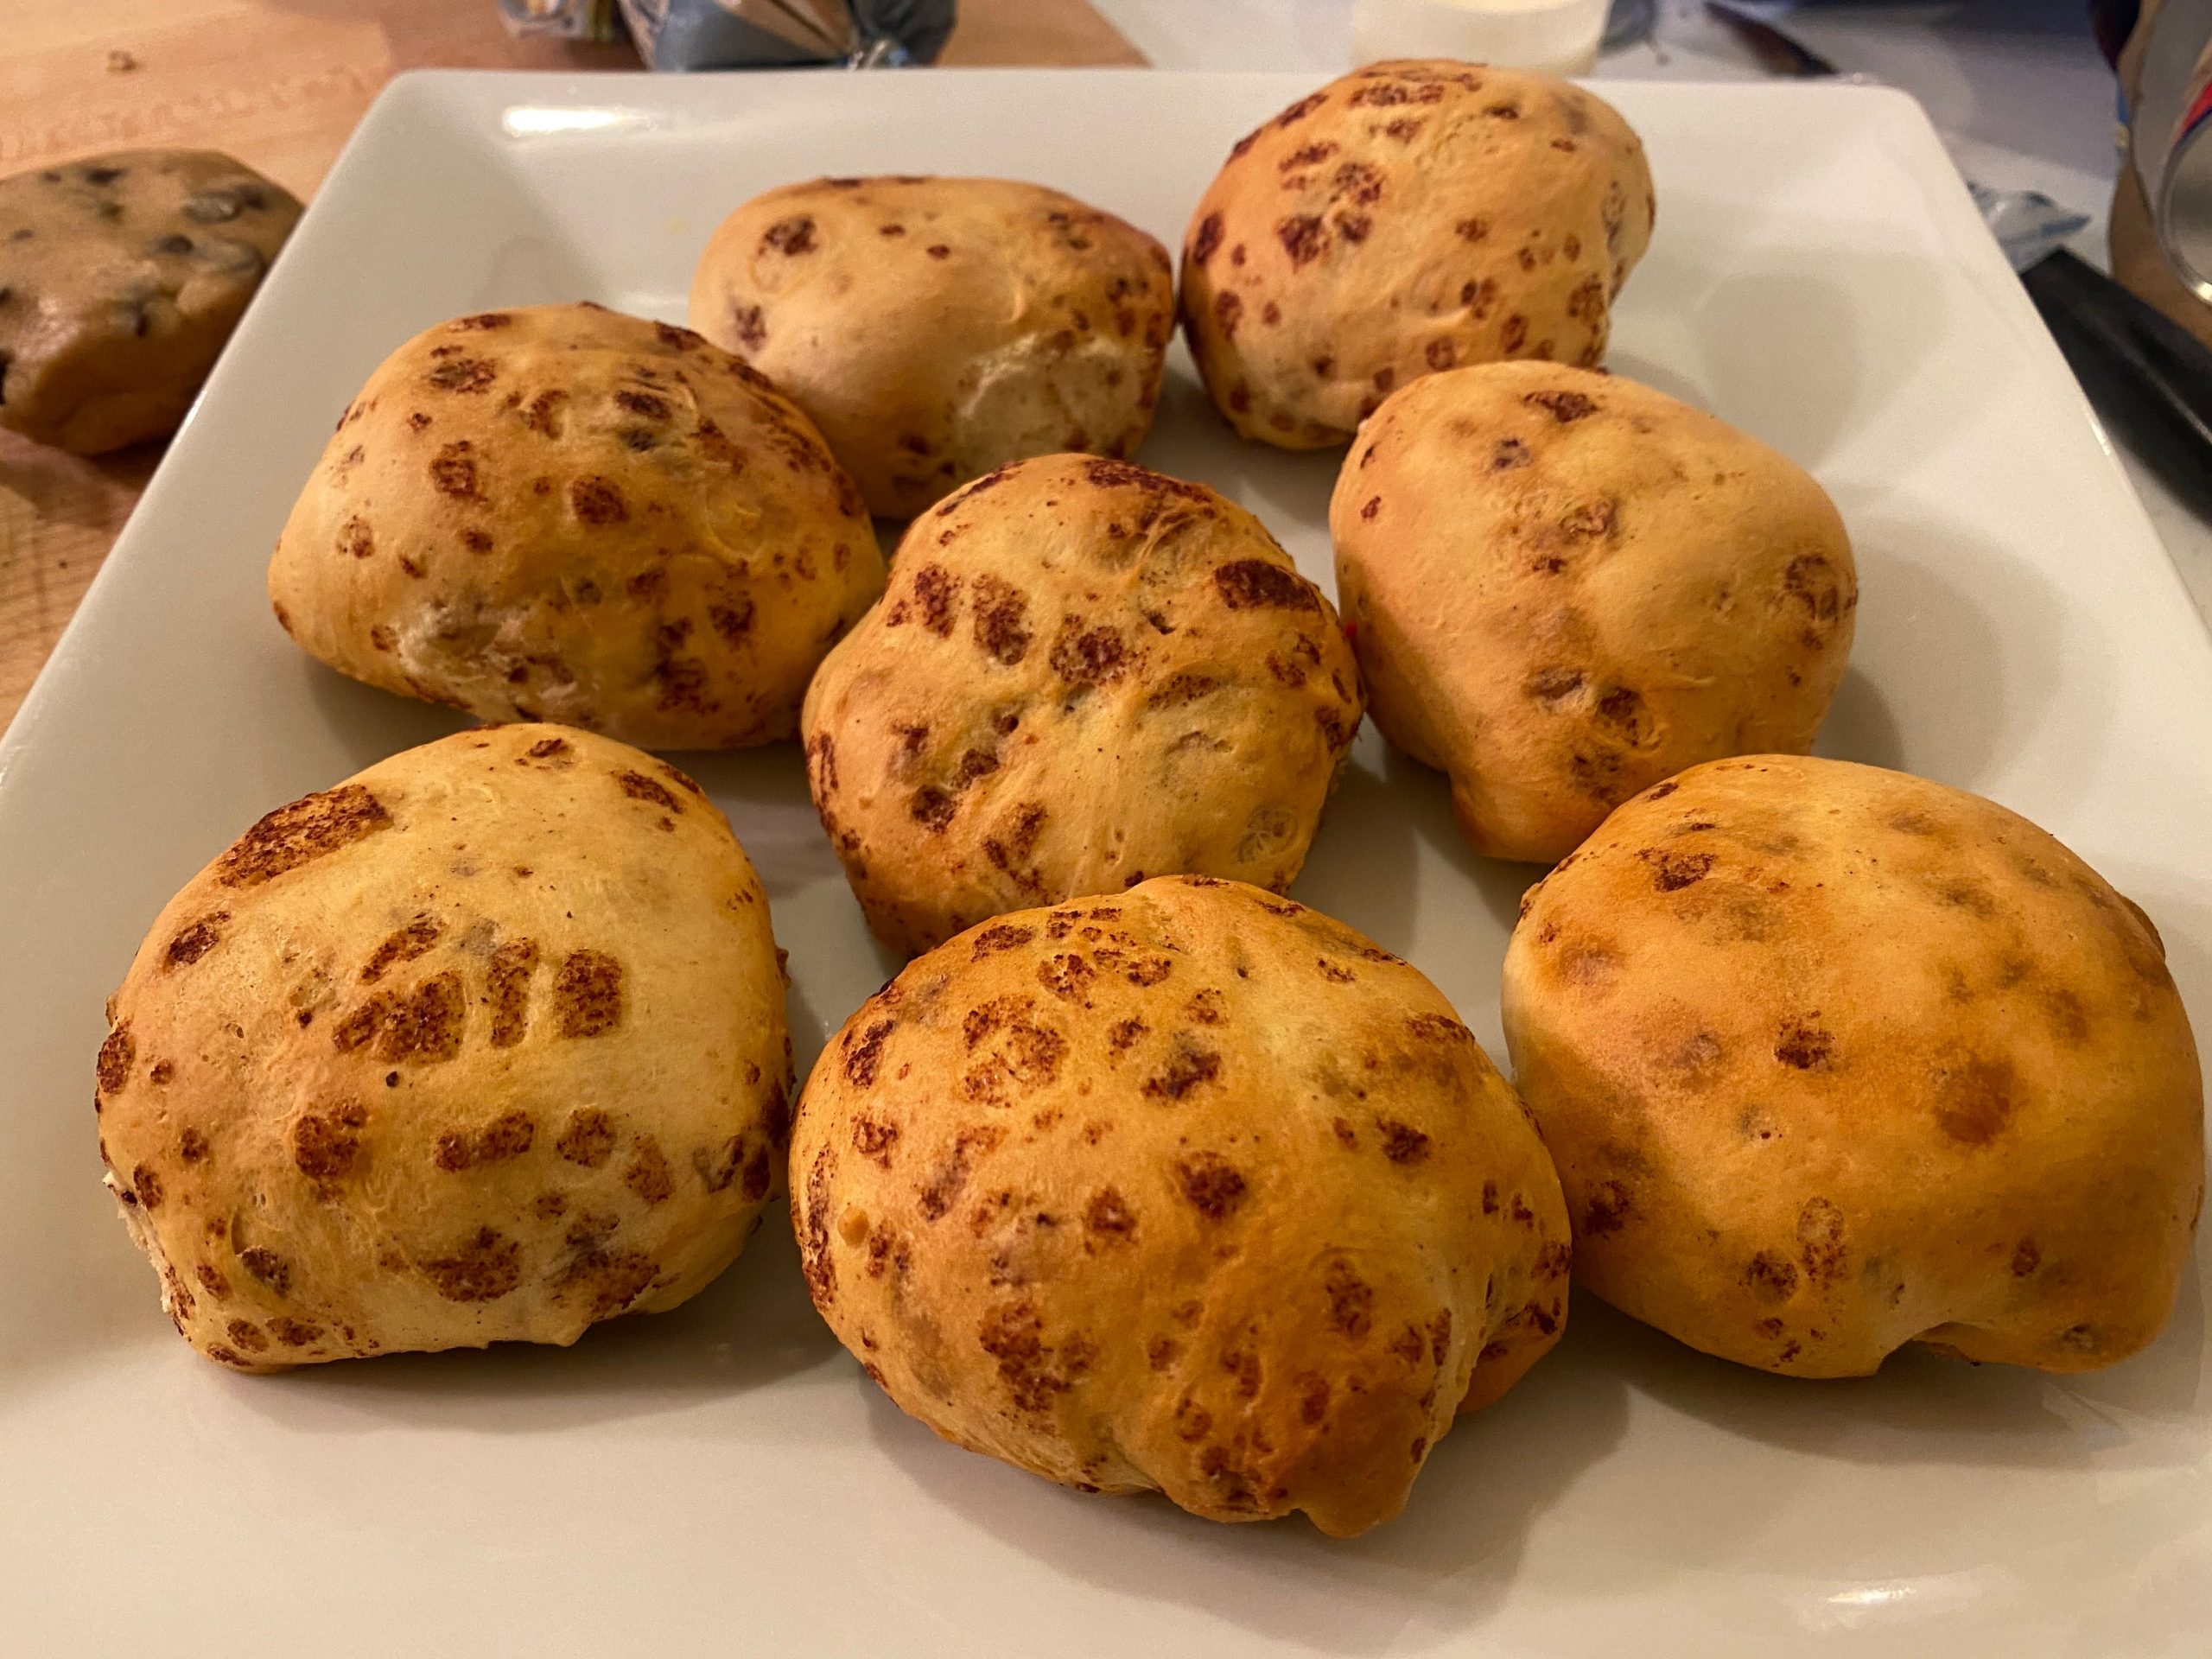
{"points": [[1191, 1189], [936, 328], [1085, 673], [561, 512], [1834, 1059], [1403, 219], [1563, 586], [485, 1044]]}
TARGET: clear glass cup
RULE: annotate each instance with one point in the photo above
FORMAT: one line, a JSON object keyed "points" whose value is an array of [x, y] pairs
{"points": [[1558, 36]]}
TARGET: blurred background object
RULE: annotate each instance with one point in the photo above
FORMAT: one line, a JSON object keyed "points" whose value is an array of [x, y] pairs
{"points": [[1558, 36], [2148, 378], [678, 34], [2165, 195], [576, 20]]}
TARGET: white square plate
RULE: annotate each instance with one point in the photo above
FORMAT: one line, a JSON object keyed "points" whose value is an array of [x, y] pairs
{"points": [[723, 1478]]}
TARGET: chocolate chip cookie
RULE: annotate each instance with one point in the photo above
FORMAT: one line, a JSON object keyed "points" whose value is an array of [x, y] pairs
{"points": [[121, 275]]}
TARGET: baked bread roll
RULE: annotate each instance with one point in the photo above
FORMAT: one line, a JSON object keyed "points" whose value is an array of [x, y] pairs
{"points": [[1085, 673], [121, 278], [935, 328], [1563, 586], [1405, 218], [1189, 1189], [1834, 1059], [484, 1044], [560, 512]]}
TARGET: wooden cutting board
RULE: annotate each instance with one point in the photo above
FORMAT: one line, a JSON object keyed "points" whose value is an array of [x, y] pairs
{"points": [[279, 84]]}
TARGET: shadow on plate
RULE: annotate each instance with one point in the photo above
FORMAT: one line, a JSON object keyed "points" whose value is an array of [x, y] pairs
{"points": [[1287, 490], [1780, 339], [367, 724], [1860, 726], [1921, 1409], [1420, 1580], [534, 270], [1938, 685], [752, 1327], [1364, 868]]}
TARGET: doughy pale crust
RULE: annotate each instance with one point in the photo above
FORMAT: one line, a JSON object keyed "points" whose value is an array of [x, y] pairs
{"points": [[1190, 1189], [1834, 1059], [1564, 587], [1085, 673], [561, 512], [1405, 219], [937, 327], [485, 1044]]}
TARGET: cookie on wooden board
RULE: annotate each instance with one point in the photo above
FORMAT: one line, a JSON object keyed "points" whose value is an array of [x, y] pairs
{"points": [[121, 278]]}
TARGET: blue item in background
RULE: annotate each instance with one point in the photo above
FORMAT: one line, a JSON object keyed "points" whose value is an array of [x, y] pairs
{"points": [[679, 35]]}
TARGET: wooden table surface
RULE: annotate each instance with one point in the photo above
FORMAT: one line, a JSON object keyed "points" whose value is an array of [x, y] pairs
{"points": [[279, 84]]}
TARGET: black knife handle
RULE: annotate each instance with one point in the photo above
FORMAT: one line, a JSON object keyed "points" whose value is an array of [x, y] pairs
{"points": [[2150, 378]]}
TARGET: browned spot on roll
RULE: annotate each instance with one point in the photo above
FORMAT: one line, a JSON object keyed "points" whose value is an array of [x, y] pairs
{"points": [[1433, 1027], [863, 1052], [1251, 584], [1770, 1278], [508, 1135], [1974, 1098], [1604, 1210], [1804, 1046], [648, 1175], [327, 1143], [507, 988], [1820, 1239], [588, 1138], [597, 500], [1188, 1067], [1107, 1215], [117, 1052], [1402, 1142], [1352, 1300], [944, 1187], [310, 828], [1002, 936], [1067, 977], [271, 1269], [1205, 245], [588, 994], [639, 787], [1210, 1184], [404, 944], [1672, 871], [463, 374], [1000, 612], [481, 1269], [1096, 656], [874, 1140]]}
